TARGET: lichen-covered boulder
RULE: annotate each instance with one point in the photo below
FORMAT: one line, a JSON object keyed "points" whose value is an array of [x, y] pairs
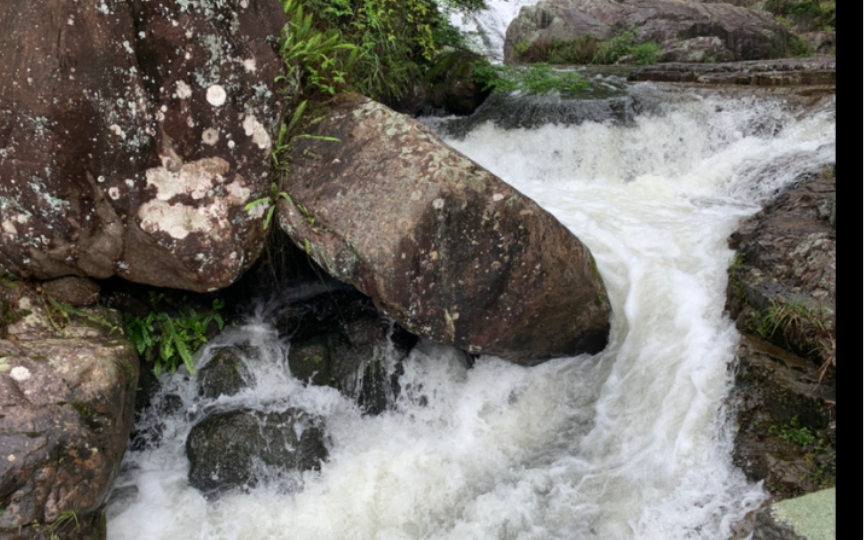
{"points": [[745, 34], [441, 245], [225, 374], [67, 393], [242, 447], [133, 134]]}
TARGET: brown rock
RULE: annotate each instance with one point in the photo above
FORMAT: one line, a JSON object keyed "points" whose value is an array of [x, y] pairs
{"points": [[132, 134], [75, 291], [747, 34], [448, 250], [820, 70], [67, 398]]}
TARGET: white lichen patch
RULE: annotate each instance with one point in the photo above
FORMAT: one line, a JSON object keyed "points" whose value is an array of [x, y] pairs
{"points": [[216, 95], [210, 136], [249, 65], [9, 227], [497, 197], [253, 128], [20, 373], [195, 179], [114, 193], [177, 220], [183, 90]]}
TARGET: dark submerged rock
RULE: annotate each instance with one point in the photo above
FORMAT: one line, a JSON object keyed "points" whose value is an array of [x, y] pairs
{"points": [[225, 374], [441, 245], [240, 448]]}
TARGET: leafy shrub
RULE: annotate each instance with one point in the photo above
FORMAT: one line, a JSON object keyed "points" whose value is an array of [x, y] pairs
{"points": [[166, 340]]}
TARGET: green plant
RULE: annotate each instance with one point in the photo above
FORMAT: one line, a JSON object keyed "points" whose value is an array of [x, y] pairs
{"points": [[167, 340], [646, 54], [537, 79], [274, 197], [794, 433]]}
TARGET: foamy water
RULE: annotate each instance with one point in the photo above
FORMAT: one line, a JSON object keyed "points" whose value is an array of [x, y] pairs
{"points": [[630, 443]]}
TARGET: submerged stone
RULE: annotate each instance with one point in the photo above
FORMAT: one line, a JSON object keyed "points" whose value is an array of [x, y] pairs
{"points": [[243, 447]]}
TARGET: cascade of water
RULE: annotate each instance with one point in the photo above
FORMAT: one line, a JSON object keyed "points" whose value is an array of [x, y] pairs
{"points": [[630, 443]]}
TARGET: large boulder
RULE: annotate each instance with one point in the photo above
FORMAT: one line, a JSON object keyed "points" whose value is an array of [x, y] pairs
{"points": [[447, 249], [67, 392], [240, 448], [132, 135], [742, 33]]}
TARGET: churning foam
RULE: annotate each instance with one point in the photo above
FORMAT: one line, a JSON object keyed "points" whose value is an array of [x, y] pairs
{"points": [[629, 443]]}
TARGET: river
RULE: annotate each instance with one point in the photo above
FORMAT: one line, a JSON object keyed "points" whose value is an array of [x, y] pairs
{"points": [[634, 442]]}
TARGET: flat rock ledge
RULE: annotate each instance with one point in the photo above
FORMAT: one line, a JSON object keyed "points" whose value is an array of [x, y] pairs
{"points": [[821, 70]]}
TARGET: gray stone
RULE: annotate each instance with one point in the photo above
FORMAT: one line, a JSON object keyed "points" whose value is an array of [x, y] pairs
{"points": [[442, 246], [67, 392], [810, 517], [745, 34]]}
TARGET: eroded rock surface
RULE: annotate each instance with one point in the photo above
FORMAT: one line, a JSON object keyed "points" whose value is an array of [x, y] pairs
{"points": [[448, 250], [782, 294], [742, 34], [132, 135], [67, 395], [820, 70]]}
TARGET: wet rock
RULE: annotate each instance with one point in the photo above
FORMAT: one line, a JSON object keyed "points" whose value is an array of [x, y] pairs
{"points": [[340, 340], [441, 245], [745, 34], [452, 86], [782, 294], [132, 135], [243, 447], [785, 72], [73, 290], [225, 374], [67, 392]]}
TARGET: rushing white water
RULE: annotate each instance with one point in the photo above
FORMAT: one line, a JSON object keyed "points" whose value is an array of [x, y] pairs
{"points": [[630, 443], [490, 25]]}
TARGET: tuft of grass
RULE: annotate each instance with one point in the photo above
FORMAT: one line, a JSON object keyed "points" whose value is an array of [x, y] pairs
{"points": [[590, 50]]}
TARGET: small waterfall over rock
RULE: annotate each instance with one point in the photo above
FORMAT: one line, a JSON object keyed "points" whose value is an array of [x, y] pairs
{"points": [[630, 443]]}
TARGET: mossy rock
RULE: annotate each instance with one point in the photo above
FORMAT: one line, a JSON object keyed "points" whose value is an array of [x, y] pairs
{"points": [[225, 374]]}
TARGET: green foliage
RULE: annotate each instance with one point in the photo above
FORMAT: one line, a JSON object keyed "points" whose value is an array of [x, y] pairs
{"points": [[167, 340], [800, 47], [395, 40], [271, 201], [536, 79], [646, 54], [794, 433], [590, 50]]}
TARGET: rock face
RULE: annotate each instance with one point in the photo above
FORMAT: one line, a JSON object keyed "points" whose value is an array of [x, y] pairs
{"points": [[239, 448], [67, 395], [132, 134], [451, 83], [448, 250], [743, 34], [782, 294]]}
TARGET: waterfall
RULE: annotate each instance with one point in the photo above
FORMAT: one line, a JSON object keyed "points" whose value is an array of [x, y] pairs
{"points": [[631, 443]]}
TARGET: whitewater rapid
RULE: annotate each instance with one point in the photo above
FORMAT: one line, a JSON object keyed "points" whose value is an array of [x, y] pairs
{"points": [[632, 443]]}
